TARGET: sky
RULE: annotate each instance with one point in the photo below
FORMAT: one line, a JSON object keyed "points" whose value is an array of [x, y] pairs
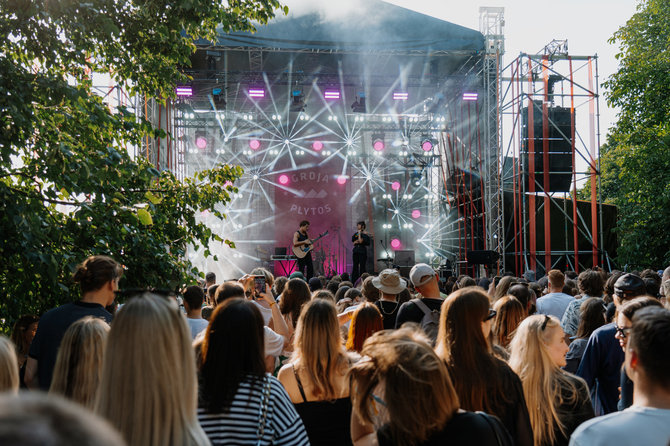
{"points": [[529, 26]]}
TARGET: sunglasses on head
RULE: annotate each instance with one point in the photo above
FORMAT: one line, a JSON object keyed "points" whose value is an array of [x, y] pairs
{"points": [[491, 315], [544, 324]]}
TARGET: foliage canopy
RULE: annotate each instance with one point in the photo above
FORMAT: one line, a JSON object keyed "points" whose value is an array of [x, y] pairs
{"points": [[68, 186]]}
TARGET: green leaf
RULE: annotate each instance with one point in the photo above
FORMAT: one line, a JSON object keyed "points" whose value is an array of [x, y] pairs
{"points": [[145, 217]]}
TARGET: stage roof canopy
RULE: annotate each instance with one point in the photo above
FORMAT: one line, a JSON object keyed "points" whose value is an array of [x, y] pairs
{"points": [[378, 27]]}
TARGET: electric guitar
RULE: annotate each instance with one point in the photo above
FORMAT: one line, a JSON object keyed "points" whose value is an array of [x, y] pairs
{"points": [[302, 250]]}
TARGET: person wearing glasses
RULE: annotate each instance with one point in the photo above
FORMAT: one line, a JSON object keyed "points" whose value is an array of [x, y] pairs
{"points": [[601, 364], [98, 277], [404, 396], [482, 381], [558, 402], [647, 421], [623, 327]]}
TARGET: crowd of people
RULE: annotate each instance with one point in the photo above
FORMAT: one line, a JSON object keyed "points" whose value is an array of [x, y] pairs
{"points": [[578, 359]]}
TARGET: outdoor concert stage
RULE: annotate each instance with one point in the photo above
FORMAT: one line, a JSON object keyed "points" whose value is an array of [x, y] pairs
{"points": [[394, 120]]}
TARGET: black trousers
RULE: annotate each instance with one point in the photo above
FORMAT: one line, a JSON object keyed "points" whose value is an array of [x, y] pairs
{"points": [[306, 266], [360, 260]]}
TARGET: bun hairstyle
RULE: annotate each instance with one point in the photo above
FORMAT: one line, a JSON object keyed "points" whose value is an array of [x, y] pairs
{"points": [[96, 271]]}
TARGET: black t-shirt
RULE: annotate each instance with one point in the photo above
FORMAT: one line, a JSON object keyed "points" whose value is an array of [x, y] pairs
{"points": [[464, 428], [361, 248], [572, 414], [50, 331], [389, 311], [409, 312]]}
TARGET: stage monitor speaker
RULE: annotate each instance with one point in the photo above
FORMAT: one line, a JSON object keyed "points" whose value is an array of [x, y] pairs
{"points": [[404, 258], [482, 257], [560, 147]]}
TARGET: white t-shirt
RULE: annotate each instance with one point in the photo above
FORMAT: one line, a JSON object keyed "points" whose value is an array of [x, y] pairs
{"points": [[274, 342], [636, 425], [265, 312], [196, 326]]}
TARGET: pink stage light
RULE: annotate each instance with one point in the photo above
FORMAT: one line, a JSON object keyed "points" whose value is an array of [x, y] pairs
{"points": [[201, 142], [378, 145], [395, 185], [416, 213], [254, 144], [341, 179], [283, 179], [427, 145], [395, 243], [317, 145]]}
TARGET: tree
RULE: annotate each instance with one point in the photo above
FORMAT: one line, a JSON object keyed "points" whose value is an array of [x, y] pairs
{"points": [[68, 187], [635, 163]]}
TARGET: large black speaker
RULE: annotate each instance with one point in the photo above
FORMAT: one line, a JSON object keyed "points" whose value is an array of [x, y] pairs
{"points": [[560, 147], [482, 257]]}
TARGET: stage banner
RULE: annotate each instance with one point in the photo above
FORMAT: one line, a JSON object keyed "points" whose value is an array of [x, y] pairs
{"points": [[318, 194]]}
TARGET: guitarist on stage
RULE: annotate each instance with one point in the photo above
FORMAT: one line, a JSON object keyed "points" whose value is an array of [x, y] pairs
{"points": [[300, 238]]}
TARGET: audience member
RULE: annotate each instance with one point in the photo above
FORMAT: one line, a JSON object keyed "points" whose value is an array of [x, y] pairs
{"points": [[316, 378], [193, 299], [590, 284], [647, 422], [210, 295], [556, 301], [98, 278], [502, 288], [366, 320], [210, 280], [623, 326], [296, 294], [482, 381], [228, 290], [148, 389], [426, 310], [35, 419], [341, 291], [557, 401], [404, 396], [324, 294], [23, 333], [389, 284], [315, 284], [9, 369], [601, 363], [238, 401], [591, 318], [278, 287], [207, 312], [369, 290], [523, 294], [509, 314], [79, 362]]}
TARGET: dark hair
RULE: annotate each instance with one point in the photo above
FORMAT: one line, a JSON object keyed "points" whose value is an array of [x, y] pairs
{"points": [[233, 350], [296, 294], [194, 296], [630, 307], [210, 277], [476, 374], [522, 293], [332, 286], [303, 223], [466, 281], [19, 332], [339, 295], [211, 291], [591, 283], [362, 223], [592, 317], [652, 286], [370, 292], [650, 339], [227, 290], [403, 296], [609, 285], [353, 293], [280, 283], [345, 278], [95, 272]]}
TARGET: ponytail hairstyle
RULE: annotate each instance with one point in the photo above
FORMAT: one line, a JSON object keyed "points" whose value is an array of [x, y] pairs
{"points": [[95, 272]]}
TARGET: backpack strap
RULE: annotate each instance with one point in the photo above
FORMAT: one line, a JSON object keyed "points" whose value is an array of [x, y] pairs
{"points": [[422, 306]]}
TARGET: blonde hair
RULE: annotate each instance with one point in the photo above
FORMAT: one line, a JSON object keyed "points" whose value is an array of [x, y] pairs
{"points": [[545, 385], [148, 389], [79, 362], [318, 347], [415, 385], [9, 367]]}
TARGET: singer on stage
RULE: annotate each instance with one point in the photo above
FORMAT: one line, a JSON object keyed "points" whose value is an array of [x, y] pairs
{"points": [[361, 242]]}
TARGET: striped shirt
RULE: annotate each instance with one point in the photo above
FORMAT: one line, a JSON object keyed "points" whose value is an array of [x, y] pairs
{"points": [[240, 426]]}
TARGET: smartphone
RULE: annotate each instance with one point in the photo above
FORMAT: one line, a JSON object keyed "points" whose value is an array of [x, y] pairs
{"points": [[259, 285]]}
